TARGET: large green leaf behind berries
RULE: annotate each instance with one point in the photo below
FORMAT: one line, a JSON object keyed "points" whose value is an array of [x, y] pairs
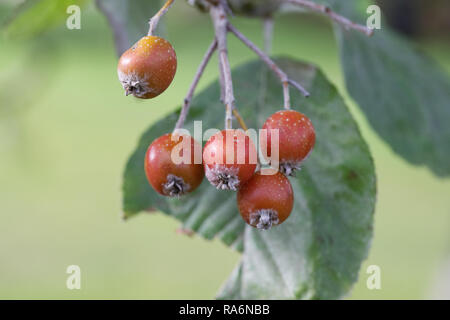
{"points": [[318, 251]]}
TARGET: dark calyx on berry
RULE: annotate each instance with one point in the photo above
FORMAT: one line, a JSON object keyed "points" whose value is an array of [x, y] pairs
{"points": [[288, 168], [223, 178], [264, 219], [134, 88], [175, 186]]}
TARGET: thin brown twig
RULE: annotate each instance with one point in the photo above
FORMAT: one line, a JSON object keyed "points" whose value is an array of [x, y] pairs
{"points": [[346, 23], [220, 21], [201, 68], [155, 19], [272, 65]]}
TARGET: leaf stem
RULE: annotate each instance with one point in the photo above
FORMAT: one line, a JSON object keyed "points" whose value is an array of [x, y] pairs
{"points": [[346, 23], [155, 19], [201, 68]]}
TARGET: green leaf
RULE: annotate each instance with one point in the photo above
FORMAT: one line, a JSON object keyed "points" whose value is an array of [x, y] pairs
{"points": [[317, 252], [129, 19], [404, 94], [33, 17]]}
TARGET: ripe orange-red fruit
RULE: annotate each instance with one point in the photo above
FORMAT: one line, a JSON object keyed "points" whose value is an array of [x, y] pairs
{"points": [[296, 139], [230, 159], [171, 171], [147, 68], [265, 200]]}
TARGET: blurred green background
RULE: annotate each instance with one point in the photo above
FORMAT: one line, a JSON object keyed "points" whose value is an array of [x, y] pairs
{"points": [[66, 131]]}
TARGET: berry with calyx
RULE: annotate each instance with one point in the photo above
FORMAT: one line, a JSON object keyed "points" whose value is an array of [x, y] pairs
{"points": [[147, 68], [265, 200], [296, 139], [230, 159], [169, 171]]}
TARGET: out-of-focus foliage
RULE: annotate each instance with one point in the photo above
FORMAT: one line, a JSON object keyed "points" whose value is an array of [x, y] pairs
{"points": [[252, 8], [33, 17], [258, 8], [417, 17], [5, 11], [24, 82], [128, 19], [403, 93]]}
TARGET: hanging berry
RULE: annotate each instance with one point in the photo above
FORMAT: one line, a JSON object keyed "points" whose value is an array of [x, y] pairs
{"points": [[265, 200], [296, 139], [230, 159], [169, 170], [147, 68]]}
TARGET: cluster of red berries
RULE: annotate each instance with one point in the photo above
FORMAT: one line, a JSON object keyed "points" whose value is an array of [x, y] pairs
{"points": [[263, 200], [229, 158]]}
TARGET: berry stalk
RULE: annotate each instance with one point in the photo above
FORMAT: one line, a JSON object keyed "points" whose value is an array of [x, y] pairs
{"points": [[155, 19], [187, 101], [272, 65]]}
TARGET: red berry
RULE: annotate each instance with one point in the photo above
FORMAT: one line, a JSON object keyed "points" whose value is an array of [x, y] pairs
{"points": [[169, 171], [265, 200], [147, 69], [230, 159], [296, 139]]}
